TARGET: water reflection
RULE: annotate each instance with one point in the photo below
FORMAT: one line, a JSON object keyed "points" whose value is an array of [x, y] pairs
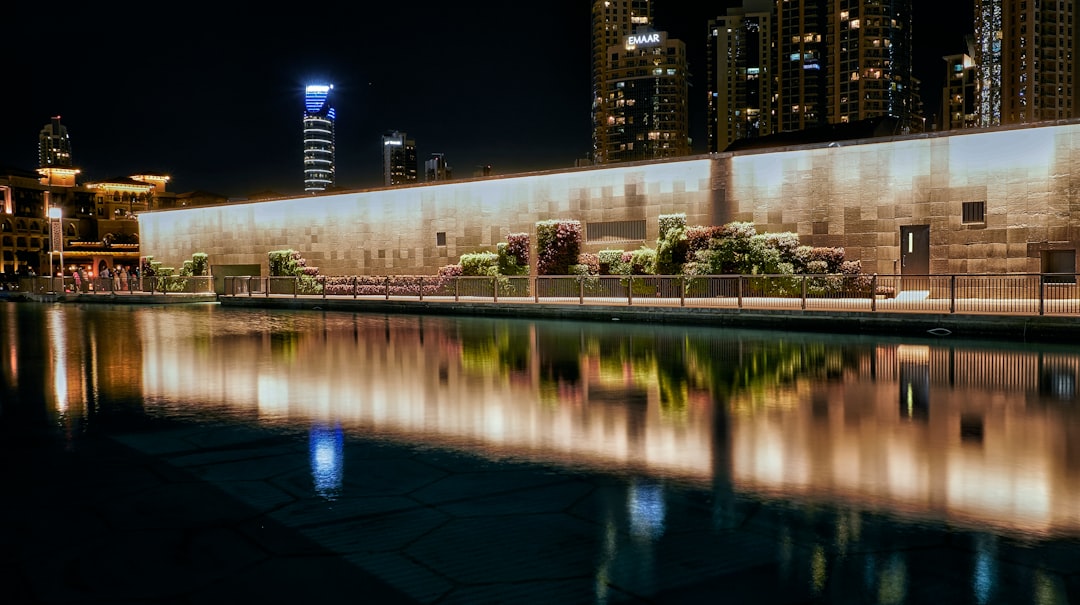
{"points": [[831, 432], [963, 433]]}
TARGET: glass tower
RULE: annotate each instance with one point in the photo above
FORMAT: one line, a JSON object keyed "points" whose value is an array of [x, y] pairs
{"points": [[318, 138], [54, 145]]}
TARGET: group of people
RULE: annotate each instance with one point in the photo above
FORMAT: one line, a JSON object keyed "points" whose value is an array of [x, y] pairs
{"points": [[117, 279]]}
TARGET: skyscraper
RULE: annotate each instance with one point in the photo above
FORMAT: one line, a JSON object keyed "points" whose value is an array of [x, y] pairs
{"points": [[399, 159], [436, 168], [1026, 60], [740, 75], [640, 86], [54, 145], [868, 61], [958, 108], [318, 138], [789, 65]]}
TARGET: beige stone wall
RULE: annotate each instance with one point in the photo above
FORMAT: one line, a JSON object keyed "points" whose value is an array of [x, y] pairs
{"points": [[393, 231], [856, 195]]}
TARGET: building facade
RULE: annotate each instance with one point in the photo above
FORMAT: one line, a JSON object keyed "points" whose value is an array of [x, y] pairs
{"points": [[1026, 61], [399, 159], [436, 168], [740, 76], [54, 145], [612, 22], [319, 169], [959, 108], [646, 107], [868, 61], [996, 200]]}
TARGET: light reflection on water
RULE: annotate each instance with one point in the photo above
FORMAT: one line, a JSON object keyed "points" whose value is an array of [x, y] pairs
{"points": [[932, 432]]}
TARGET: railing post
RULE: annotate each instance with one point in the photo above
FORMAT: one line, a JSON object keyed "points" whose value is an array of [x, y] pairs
{"points": [[629, 290], [804, 292], [682, 290], [536, 288], [581, 290], [355, 285], [738, 288], [322, 281], [387, 287], [873, 292], [952, 293], [1042, 294], [420, 283], [457, 288], [295, 283], [495, 289]]}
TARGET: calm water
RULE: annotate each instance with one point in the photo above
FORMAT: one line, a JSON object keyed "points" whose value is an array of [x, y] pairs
{"points": [[862, 442]]}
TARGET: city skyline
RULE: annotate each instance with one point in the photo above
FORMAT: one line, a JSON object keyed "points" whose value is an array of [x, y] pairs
{"points": [[514, 98]]}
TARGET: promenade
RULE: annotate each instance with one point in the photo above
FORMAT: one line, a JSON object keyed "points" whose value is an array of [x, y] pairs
{"points": [[1021, 310]]}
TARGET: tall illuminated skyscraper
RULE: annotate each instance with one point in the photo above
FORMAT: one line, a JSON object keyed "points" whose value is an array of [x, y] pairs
{"points": [[399, 159], [640, 86], [318, 138], [741, 77], [54, 145], [1026, 62]]}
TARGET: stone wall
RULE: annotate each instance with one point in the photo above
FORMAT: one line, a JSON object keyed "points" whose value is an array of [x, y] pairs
{"points": [[857, 194], [854, 194], [395, 231]]}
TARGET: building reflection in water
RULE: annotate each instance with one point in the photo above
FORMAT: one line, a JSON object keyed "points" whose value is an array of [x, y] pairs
{"points": [[973, 436], [957, 435], [326, 446]]}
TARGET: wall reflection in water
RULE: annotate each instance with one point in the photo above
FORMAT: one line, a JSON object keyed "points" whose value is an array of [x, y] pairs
{"points": [[966, 435]]}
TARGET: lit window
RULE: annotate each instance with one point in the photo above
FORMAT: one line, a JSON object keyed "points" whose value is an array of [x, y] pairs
{"points": [[854, 24]]}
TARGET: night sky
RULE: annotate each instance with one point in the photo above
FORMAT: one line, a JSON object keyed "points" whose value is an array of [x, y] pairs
{"points": [[214, 97]]}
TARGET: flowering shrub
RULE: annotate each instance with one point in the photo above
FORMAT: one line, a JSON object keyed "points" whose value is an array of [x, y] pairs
{"points": [[558, 244], [517, 246], [451, 271], [589, 262]]}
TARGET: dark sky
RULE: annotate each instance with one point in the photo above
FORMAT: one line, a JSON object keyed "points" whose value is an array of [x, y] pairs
{"points": [[214, 97]]}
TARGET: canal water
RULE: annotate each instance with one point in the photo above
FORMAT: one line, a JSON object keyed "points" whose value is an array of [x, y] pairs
{"points": [[513, 460]]}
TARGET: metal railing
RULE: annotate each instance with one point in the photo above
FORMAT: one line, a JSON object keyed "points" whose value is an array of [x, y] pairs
{"points": [[161, 284], [1015, 294]]}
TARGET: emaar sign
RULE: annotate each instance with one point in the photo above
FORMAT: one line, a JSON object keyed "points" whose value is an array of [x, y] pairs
{"points": [[642, 40]]}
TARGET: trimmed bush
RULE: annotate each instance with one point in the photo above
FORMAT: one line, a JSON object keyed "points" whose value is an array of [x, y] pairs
{"points": [[558, 244]]}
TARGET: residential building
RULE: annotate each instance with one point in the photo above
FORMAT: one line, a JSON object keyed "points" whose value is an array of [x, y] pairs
{"points": [[399, 159], [1025, 61], [646, 115], [54, 145], [318, 138], [740, 76], [958, 102], [868, 61], [436, 168], [612, 22]]}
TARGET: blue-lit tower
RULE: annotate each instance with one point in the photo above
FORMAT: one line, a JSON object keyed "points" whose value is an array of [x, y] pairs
{"points": [[318, 138]]}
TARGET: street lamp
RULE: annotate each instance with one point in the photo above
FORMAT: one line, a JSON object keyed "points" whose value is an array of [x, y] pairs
{"points": [[56, 235]]}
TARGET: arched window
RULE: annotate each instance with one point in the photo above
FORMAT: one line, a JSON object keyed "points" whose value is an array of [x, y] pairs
{"points": [[5, 226]]}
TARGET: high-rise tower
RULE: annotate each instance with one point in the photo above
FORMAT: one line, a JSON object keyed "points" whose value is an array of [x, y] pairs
{"points": [[640, 86], [54, 145], [740, 75], [612, 22], [868, 61], [318, 138], [399, 159], [1026, 60]]}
